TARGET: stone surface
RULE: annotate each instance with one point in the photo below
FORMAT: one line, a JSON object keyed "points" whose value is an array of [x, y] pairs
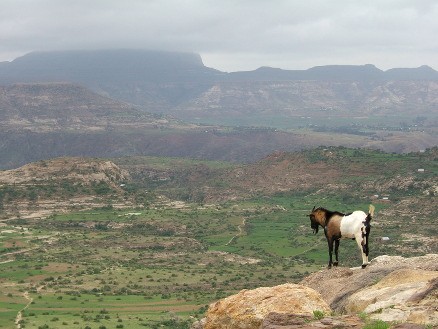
{"points": [[294, 321], [400, 291], [249, 308], [389, 299], [390, 289]]}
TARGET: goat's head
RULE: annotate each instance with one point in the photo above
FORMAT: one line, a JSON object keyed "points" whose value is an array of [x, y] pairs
{"points": [[317, 217]]}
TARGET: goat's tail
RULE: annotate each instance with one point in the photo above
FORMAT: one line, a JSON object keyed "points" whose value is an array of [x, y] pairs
{"points": [[366, 233], [370, 213]]}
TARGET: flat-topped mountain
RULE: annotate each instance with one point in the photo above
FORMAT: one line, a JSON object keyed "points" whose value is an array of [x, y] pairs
{"points": [[136, 65], [181, 85], [149, 78], [98, 66]]}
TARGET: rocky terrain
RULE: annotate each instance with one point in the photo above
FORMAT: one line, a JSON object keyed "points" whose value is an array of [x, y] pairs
{"points": [[393, 289], [63, 184], [315, 98], [48, 107]]}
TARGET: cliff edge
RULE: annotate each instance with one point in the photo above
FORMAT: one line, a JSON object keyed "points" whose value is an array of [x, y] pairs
{"points": [[403, 292]]}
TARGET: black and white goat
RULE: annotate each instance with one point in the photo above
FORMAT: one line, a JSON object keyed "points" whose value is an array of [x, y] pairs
{"points": [[338, 225]]}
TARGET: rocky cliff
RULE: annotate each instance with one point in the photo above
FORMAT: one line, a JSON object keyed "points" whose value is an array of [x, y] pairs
{"points": [[400, 291]]}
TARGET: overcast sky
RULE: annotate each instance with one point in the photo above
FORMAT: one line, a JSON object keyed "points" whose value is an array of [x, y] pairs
{"points": [[232, 35]]}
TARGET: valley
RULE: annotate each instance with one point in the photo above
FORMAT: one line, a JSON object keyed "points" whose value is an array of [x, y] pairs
{"points": [[161, 238], [137, 187]]}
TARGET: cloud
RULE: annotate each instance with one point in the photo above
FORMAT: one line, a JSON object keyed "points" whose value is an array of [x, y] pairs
{"points": [[232, 34]]}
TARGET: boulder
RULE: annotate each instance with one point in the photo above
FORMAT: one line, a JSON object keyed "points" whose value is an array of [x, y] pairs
{"points": [[249, 308], [403, 295]]}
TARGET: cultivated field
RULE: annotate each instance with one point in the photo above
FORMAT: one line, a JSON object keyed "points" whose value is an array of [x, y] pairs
{"points": [[160, 263]]}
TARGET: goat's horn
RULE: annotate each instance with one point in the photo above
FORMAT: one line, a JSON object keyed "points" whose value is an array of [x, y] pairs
{"points": [[313, 208]]}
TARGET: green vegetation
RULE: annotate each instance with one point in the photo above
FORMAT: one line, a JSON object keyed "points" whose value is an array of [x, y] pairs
{"points": [[377, 324], [318, 315], [159, 264]]}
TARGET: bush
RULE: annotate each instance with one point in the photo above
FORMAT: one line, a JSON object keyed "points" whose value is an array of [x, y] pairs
{"points": [[377, 324], [318, 315]]}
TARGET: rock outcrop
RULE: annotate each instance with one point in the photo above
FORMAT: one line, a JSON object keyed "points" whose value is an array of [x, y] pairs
{"points": [[391, 288], [403, 295], [250, 308], [42, 188], [401, 291]]}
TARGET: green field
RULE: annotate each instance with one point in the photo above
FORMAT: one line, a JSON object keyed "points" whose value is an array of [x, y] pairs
{"points": [[159, 266], [109, 268]]}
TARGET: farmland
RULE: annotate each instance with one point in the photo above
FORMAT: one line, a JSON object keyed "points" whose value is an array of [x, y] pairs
{"points": [[161, 261]]}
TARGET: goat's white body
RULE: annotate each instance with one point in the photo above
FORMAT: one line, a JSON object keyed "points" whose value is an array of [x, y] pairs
{"points": [[352, 224]]}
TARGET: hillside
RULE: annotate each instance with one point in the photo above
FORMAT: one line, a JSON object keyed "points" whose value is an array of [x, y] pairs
{"points": [[346, 176], [321, 170], [335, 100], [46, 120], [47, 107], [180, 84], [59, 185]]}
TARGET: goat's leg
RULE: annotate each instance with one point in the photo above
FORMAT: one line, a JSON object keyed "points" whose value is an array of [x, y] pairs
{"points": [[367, 241], [335, 263], [330, 246], [361, 244], [365, 247]]}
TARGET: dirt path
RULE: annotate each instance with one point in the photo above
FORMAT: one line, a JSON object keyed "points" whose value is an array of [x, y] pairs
{"points": [[7, 261], [18, 252], [19, 316], [240, 228]]}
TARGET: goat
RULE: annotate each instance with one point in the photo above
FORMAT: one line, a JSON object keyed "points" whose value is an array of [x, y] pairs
{"points": [[338, 225]]}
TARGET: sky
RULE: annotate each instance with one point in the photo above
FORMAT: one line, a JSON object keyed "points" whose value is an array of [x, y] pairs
{"points": [[232, 35]]}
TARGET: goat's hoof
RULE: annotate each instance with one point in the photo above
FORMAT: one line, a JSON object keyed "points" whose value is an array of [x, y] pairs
{"points": [[364, 265], [329, 266], [335, 264]]}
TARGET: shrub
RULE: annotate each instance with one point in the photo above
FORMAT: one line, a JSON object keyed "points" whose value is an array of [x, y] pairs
{"points": [[377, 324], [318, 315]]}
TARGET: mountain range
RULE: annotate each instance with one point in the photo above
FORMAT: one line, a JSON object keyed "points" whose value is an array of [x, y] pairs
{"points": [[159, 66], [111, 103], [181, 85]]}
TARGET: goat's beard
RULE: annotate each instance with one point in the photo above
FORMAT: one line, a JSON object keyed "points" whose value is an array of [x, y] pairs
{"points": [[315, 229]]}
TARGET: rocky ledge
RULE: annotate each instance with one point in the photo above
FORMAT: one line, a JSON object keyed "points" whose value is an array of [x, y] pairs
{"points": [[400, 291]]}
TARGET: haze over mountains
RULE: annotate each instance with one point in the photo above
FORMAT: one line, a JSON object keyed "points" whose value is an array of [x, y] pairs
{"points": [[179, 83], [157, 66], [116, 102]]}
